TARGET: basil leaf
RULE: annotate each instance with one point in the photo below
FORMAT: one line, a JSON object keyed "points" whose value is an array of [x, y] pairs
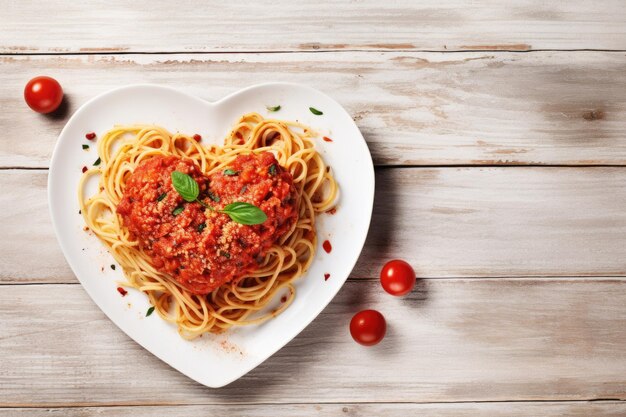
{"points": [[186, 186], [150, 311], [245, 213], [315, 111], [178, 210], [272, 170], [272, 108], [230, 172], [162, 196], [97, 162]]}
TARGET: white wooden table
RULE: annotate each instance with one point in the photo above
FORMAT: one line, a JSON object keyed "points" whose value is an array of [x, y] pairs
{"points": [[499, 136]]}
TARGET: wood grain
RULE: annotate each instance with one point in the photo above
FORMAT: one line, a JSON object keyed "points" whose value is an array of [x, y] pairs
{"points": [[509, 409], [467, 340], [282, 25], [413, 108], [429, 84], [448, 222]]}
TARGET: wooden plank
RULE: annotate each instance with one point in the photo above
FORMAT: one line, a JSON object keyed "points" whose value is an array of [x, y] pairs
{"points": [[448, 222], [413, 108], [482, 222], [283, 25], [450, 340], [30, 251], [508, 409]]}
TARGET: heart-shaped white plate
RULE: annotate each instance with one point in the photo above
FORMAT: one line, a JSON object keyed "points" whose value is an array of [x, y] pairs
{"points": [[214, 360]]}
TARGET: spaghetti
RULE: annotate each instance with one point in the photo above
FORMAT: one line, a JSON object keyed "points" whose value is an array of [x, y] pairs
{"points": [[241, 301]]}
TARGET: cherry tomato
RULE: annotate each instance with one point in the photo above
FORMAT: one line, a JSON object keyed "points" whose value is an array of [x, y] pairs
{"points": [[397, 277], [43, 94], [368, 327]]}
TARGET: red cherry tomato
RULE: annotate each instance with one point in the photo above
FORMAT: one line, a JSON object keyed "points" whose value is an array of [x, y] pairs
{"points": [[368, 327], [43, 94], [397, 277]]}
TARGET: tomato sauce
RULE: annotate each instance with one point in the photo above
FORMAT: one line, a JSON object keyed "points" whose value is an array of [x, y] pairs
{"points": [[327, 246], [199, 248]]}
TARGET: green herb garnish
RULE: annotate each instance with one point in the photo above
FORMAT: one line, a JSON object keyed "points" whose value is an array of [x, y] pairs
{"points": [[244, 213], [315, 111], [214, 197], [85, 146], [97, 162], [150, 311], [230, 172], [178, 210], [225, 254], [272, 170], [240, 212], [201, 227], [186, 186], [272, 108], [161, 197], [243, 189]]}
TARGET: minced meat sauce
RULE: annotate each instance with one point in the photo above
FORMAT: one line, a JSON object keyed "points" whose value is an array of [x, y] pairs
{"points": [[199, 248]]}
